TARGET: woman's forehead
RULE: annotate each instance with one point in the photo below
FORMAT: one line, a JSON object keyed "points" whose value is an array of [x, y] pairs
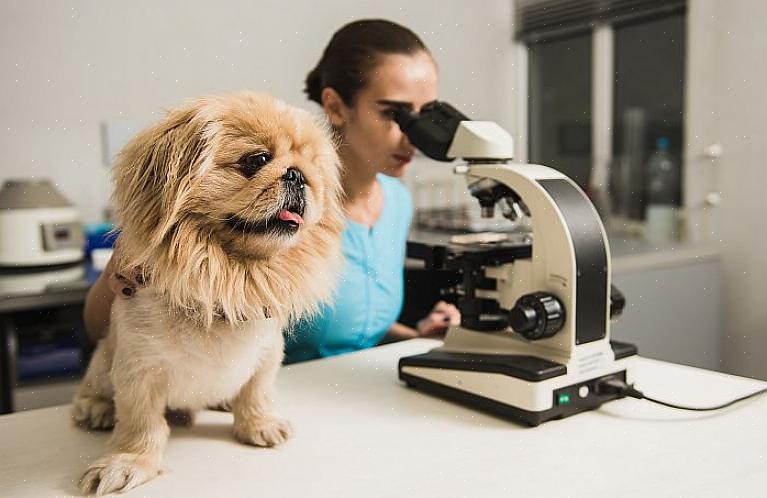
{"points": [[403, 78]]}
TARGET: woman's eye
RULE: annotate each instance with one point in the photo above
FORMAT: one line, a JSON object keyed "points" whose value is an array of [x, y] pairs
{"points": [[389, 113], [251, 163]]}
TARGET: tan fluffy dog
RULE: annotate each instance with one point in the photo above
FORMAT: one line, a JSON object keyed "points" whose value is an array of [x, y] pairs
{"points": [[231, 207]]}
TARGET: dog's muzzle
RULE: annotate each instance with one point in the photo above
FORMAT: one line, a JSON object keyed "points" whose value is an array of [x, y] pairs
{"points": [[290, 216], [295, 188]]}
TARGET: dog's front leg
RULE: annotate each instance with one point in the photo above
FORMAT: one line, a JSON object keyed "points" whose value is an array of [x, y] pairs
{"points": [[93, 405], [139, 437], [254, 419]]}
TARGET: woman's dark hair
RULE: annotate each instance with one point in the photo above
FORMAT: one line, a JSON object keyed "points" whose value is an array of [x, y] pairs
{"points": [[353, 51]]}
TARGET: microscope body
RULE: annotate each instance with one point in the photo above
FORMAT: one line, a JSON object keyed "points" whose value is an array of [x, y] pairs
{"points": [[534, 340], [570, 262], [559, 298]]}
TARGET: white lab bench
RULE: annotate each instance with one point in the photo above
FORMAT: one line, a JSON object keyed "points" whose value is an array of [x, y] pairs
{"points": [[361, 432]]}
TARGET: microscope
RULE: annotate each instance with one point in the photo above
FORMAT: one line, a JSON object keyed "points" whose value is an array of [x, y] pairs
{"points": [[534, 340]]}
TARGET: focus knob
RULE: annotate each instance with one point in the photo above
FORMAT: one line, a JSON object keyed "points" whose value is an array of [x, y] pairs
{"points": [[537, 315], [617, 302]]}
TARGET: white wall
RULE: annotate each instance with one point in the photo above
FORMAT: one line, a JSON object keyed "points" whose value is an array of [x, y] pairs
{"points": [[726, 104], [66, 67]]}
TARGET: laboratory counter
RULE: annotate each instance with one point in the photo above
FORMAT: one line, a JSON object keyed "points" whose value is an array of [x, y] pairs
{"points": [[360, 432]]}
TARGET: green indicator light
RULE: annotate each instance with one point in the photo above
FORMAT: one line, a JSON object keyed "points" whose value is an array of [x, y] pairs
{"points": [[563, 399]]}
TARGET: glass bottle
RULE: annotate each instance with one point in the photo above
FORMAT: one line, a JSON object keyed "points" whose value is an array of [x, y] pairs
{"points": [[662, 194]]}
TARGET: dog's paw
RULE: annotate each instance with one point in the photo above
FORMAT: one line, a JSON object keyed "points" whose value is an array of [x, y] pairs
{"points": [[94, 413], [115, 473], [263, 432]]}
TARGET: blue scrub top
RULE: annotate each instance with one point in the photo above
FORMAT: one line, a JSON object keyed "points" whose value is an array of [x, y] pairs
{"points": [[370, 291]]}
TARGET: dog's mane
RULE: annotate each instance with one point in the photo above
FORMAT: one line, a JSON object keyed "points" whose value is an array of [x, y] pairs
{"points": [[183, 262], [205, 283]]}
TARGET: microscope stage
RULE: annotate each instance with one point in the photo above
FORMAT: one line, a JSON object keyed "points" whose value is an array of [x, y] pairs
{"points": [[437, 251]]}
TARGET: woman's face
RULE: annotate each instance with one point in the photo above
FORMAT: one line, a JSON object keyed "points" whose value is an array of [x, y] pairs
{"points": [[371, 138]]}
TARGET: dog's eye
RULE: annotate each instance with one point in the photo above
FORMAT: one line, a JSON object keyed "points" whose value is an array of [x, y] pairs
{"points": [[251, 163]]}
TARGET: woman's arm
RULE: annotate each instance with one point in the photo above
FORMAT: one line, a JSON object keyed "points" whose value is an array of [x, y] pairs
{"points": [[98, 305], [399, 332], [98, 302], [434, 325]]}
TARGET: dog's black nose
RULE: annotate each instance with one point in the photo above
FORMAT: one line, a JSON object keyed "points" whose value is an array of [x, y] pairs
{"points": [[294, 177]]}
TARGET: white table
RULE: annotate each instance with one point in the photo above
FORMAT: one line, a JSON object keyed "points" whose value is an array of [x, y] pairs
{"points": [[361, 433]]}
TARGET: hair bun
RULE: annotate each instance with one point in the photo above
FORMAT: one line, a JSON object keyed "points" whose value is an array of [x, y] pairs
{"points": [[313, 88]]}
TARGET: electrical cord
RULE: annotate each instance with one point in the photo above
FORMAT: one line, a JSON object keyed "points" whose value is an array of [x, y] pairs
{"points": [[615, 385]]}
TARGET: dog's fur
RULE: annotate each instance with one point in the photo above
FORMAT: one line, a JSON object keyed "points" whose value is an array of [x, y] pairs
{"points": [[224, 275]]}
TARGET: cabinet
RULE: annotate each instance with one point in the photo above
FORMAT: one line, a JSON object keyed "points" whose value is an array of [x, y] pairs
{"points": [[41, 315], [673, 311]]}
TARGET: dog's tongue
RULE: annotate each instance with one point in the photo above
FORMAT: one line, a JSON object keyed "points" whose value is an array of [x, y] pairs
{"points": [[286, 215]]}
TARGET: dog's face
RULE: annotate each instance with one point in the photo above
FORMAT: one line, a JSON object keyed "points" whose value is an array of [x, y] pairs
{"points": [[264, 186], [244, 172]]}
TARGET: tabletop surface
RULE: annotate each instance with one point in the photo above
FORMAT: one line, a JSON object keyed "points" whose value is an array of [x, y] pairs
{"points": [[24, 289], [361, 432]]}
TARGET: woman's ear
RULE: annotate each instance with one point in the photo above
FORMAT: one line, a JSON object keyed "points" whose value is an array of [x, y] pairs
{"points": [[334, 107]]}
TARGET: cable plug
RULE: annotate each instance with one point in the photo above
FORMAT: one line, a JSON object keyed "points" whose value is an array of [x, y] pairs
{"points": [[615, 385]]}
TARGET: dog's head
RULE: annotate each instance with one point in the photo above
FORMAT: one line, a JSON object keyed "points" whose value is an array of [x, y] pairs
{"points": [[224, 189]]}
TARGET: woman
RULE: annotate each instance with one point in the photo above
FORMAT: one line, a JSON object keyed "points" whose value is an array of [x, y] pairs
{"points": [[368, 69]]}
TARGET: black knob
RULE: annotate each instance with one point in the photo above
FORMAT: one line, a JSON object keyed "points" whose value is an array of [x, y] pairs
{"points": [[617, 302], [537, 315]]}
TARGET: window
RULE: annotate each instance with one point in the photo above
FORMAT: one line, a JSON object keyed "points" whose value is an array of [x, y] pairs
{"points": [[648, 104], [560, 106], [606, 81]]}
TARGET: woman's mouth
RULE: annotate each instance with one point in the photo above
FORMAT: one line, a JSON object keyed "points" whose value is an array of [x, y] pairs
{"points": [[402, 159]]}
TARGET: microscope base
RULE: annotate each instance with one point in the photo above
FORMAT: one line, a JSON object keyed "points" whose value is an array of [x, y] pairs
{"points": [[523, 388]]}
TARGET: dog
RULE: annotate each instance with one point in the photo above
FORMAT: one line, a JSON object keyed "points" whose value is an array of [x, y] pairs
{"points": [[231, 208]]}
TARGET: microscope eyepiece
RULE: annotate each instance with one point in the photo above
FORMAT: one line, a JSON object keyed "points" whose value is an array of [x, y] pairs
{"points": [[432, 130], [404, 117]]}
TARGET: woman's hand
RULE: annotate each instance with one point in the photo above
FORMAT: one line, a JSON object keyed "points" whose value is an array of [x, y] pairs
{"points": [[439, 319], [125, 285]]}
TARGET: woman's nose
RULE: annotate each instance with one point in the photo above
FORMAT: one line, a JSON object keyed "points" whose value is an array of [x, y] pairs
{"points": [[406, 143]]}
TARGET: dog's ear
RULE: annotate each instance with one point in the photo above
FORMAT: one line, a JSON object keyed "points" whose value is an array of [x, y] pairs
{"points": [[153, 177]]}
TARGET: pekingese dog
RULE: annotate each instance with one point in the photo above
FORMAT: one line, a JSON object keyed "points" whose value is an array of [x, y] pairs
{"points": [[230, 206]]}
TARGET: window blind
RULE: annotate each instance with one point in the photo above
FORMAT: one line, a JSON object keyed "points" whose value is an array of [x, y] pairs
{"points": [[540, 20]]}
